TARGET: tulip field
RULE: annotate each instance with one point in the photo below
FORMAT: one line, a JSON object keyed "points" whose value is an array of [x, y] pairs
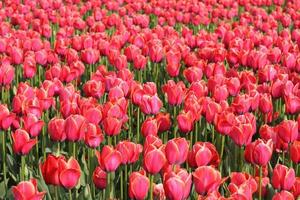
{"points": [[150, 99]]}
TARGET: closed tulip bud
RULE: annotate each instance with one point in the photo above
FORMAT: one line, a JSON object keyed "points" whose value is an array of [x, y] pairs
{"points": [[154, 159], [150, 104], [50, 169], [206, 180], [93, 135], [139, 62], [265, 103], [100, 178], [163, 121], [259, 152], [112, 126], [22, 143], [177, 150], [174, 187], [296, 188], [120, 62], [27, 190], [283, 178], [41, 57], [130, 151], [242, 134], [175, 92], [90, 56], [56, 129], [295, 151], [283, 195], [292, 104], [193, 74], [74, 127], [138, 185], [109, 158], [185, 121], [288, 130], [149, 127]]}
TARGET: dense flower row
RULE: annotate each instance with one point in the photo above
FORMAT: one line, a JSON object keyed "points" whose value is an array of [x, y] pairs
{"points": [[190, 99]]}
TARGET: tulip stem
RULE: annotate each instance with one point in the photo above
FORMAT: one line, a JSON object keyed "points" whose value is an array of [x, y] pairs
{"points": [[121, 184], [138, 125], [151, 188], [126, 179], [22, 173], [56, 192], [70, 195], [4, 158], [297, 169], [260, 182]]}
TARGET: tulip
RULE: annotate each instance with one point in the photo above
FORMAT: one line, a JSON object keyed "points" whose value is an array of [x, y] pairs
{"points": [[296, 188], [288, 130], [74, 126], [58, 171], [202, 154], [206, 179], [149, 127], [56, 129], [259, 152], [185, 121], [27, 190], [22, 143], [177, 185], [100, 178], [32, 125], [295, 151], [174, 91], [154, 159], [112, 126], [109, 158], [138, 185], [283, 178], [283, 195], [163, 121], [93, 135], [130, 151], [176, 150]]}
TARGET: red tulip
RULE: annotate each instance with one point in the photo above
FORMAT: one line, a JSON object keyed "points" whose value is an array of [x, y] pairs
{"points": [[283, 178], [27, 190], [202, 154], [174, 91], [130, 151], [90, 56], [93, 135], [154, 159], [138, 185], [112, 126], [206, 179], [150, 104], [74, 127], [100, 178], [288, 130], [283, 195], [69, 173], [265, 103], [259, 152], [6, 118], [296, 188], [56, 129], [163, 121], [94, 88], [242, 184], [32, 125], [58, 171], [295, 151], [149, 127], [185, 121], [22, 143], [176, 150], [177, 185], [109, 158]]}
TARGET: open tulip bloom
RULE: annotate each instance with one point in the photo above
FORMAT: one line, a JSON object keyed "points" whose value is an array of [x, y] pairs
{"points": [[114, 99]]}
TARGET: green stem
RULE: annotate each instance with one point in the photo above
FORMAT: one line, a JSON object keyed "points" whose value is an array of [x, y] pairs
{"points": [[121, 184], [260, 182], [70, 195], [4, 158], [151, 177], [56, 192], [22, 173]]}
